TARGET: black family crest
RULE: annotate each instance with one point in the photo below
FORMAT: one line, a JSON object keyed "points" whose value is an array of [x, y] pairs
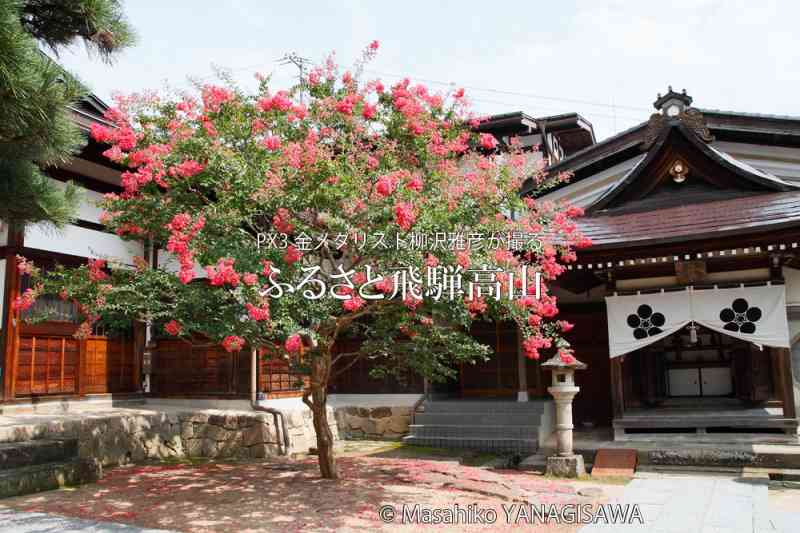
{"points": [[645, 322], [740, 316]]}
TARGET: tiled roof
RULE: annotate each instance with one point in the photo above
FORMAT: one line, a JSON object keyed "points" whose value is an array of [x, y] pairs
{"points": [[762, 212]]}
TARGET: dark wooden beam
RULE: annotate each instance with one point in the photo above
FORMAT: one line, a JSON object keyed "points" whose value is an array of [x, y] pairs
{"points": [[16, 237]]}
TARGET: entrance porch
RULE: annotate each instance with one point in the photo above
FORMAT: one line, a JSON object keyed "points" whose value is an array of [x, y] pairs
{"points": [[703, 386]]}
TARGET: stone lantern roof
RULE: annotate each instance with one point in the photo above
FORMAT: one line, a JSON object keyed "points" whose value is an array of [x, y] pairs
{"points": [[556, 363]]}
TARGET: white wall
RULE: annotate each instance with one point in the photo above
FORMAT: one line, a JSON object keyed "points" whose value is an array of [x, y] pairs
{"points": [[83, 242], [167, 261], [584, 192]]}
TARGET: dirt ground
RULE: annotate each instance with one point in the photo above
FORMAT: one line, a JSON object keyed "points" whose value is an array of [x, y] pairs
{"points": [[290, 496]]}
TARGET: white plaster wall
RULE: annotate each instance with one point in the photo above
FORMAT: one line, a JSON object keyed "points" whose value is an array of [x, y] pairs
{"points": [[82, 242], [88, 209], [585, 191], [169, 262]]}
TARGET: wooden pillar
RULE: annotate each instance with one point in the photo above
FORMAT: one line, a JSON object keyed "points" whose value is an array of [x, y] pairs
{"points": [[139, 331], [616, 377], [617, 395], [522, 370], [16, 236], [782, 363]]}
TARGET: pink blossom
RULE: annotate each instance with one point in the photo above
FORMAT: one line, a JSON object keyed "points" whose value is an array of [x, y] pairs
{"points": [[369, 111], [96, 272], [404, 215], [353, 304], [385, 285], [292, 255], [566, 356], [281, 221], [249, 278], [187, 169], [214, 97], [386, 185], [24, 302], [271, 142], [186, 275], [223, 273], [259, 313], [488, 141], [346, 104], [476, 306], [281, 101], [463, 259], [565, 326], [293, 344], [126, 139], [415, 184], [173, 328], [411, 302], [233, 343], [101, 134]]}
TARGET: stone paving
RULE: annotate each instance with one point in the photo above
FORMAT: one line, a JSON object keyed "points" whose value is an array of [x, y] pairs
{"points": [[690, 504], [20, 522], [284, 496]]}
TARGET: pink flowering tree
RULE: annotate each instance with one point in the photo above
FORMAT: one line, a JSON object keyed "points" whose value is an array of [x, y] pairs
{"points": [[294, 217]]}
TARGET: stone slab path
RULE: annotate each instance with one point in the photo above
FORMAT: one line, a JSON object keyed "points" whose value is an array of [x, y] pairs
{"points": [[19, 522], [684, 504]]}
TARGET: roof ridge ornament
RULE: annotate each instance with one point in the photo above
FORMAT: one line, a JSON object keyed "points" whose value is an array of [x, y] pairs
{"points": [[675, 108]]}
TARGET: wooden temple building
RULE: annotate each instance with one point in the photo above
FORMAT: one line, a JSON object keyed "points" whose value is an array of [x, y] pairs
{"points": [[696, 211], [686, 307]]}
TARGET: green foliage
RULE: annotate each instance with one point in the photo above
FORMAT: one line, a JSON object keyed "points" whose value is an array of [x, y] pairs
{"points": [[36, 126], [333, 156]]}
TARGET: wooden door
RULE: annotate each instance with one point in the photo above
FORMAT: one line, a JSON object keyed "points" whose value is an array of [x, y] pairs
{"points": [[716, 381], [96, 366], [46, 365], [753, 374], [684, 381]]}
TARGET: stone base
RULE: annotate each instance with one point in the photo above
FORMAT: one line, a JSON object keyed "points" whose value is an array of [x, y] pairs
{"points": [[380, 423], [569, 466]]}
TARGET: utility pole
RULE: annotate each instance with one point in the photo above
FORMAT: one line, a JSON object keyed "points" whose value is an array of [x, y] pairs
{"points": [[293, 58]]}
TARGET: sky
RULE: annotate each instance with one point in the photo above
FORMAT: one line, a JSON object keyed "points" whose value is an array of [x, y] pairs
{"points": [[606, 60]]}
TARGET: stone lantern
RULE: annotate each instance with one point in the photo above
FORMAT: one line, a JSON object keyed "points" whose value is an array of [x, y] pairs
{"points": [[565, 463]]}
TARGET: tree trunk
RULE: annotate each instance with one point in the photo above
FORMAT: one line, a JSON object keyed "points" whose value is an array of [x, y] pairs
{"points": [[320, 371]]}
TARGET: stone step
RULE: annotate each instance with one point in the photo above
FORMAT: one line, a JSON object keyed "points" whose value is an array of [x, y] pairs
{"points": [[90, 403], [34, 452], [473, 432], [479, 419], [494, 445], [472, 406], [46, 476]]}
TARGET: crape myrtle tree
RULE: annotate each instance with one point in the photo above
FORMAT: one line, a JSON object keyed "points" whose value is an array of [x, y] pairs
{"points": [[329, 170]]}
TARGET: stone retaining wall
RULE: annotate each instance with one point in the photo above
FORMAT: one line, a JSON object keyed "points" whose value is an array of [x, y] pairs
{"points": [[373, 422], [129, 438]]}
